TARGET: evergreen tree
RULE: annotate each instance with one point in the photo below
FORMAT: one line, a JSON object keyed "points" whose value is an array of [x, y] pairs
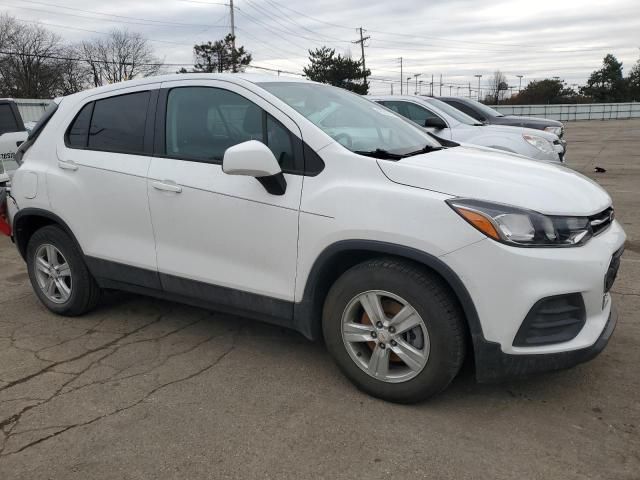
{"points": [[327, 67]]}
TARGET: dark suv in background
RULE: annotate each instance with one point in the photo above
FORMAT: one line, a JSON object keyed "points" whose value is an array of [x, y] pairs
{"points": [[485, 114]]}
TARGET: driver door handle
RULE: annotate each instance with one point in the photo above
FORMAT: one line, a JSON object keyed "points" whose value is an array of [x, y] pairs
{"points": [[167, 186], [67, 165]]}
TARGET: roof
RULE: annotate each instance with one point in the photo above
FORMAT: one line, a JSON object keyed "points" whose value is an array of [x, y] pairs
{"points": [[233, 77]]}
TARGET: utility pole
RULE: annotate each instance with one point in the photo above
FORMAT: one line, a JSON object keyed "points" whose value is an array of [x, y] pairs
{"points": [[431, 85], [391, 88], [233, 26], [478, 77], [469, 89], [416, 77], [450, 87], [440, 84], [520, 86], [401, 76], [361, 42]]}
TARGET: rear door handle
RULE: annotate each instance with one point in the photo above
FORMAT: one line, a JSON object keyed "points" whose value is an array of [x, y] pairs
{"points": [[167, 186], [67, 165]]}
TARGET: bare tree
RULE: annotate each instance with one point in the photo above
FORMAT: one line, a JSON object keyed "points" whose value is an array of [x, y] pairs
{"points": [[123, 55], [8, 30], [497, 84], [30, 66]]}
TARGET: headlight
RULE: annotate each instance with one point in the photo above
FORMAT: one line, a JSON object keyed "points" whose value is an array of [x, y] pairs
{"points": [[555, 130], [523, 228], [540, 143]]}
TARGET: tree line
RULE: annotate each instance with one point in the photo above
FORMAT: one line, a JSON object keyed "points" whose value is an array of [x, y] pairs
{"points": [[605, 85]]}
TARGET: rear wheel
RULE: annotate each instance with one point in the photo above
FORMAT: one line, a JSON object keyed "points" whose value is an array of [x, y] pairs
{"points": [[58, 273], [394, 329]]}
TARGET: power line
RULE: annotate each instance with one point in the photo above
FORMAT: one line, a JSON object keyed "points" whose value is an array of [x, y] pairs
{"points": [[111, 62], [67, 27], [114, 15], [104, 19]]}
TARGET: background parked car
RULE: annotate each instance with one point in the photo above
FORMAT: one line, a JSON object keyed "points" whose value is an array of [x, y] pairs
{"points": [[12, 134], [446, 122], [486, 114]]}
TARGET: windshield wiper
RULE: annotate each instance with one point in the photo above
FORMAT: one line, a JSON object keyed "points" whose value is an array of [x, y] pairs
{"points": [[380, 153], [426, 149]]}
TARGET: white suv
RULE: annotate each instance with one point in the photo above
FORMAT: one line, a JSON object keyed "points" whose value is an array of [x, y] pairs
{"points": [[313, 208], [449, 123]]}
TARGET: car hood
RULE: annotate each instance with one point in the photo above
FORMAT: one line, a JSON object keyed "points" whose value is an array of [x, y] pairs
{"points": [[500, 177], [526, 121]]}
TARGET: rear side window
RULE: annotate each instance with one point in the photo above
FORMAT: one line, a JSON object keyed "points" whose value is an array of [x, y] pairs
{"points": [[8, 122], [466, 109], [118, 123], [78, 133]]}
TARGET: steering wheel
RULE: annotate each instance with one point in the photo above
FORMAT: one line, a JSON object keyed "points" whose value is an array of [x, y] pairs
{"points": [[348, 141]]}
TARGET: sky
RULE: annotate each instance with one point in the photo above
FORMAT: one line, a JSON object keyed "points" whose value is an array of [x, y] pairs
{"points": [[457, 39]]}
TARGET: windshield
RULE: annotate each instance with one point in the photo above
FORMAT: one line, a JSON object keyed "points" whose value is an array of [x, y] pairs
{"points": [[488, 111], [356, 123], [453, 112]]}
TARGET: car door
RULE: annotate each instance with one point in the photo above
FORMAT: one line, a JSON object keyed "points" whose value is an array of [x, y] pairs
{"points": [[98, 185], [418, 114], [222, 238]]}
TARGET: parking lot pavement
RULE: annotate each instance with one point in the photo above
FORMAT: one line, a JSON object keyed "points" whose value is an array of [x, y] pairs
{"points": [[143, 389]]}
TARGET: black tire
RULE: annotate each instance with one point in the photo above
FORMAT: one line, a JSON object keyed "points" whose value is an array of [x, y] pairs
{"points": [[85, 293], [429, 296]]}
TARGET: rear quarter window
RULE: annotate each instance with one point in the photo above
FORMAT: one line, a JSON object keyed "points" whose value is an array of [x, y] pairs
{"points": [[8, 122]]}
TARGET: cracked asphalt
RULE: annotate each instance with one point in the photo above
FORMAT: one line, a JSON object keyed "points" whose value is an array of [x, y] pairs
{"points": [[142, 388]]}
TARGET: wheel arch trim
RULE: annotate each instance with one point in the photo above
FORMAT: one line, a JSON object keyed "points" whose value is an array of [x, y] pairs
{"points": [[25, 213], [308, 323]]}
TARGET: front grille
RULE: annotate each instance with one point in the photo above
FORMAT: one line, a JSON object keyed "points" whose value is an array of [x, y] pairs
{"points": [[552, 320], [601, 221]]}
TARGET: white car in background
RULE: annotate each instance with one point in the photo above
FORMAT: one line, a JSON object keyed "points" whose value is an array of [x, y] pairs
{"points": [[449, 123]]}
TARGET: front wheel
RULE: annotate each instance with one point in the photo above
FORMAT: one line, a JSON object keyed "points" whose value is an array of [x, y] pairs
{"points": [[394, 329]]}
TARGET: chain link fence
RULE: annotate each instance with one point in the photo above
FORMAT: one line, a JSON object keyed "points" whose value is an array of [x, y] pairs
{"points": [[572, 112]]}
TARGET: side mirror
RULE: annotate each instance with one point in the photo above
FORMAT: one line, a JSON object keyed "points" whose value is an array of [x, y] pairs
{"points": [[254, 159], [435, 122]]}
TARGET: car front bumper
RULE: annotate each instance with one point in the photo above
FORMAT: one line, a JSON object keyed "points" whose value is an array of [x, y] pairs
{"points": [[506, 282], [493, 365]]}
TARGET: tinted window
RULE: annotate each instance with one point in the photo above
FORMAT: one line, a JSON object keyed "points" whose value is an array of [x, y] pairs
{"points": [[78, 133], [466, 109], [8, 122], [117, 124], [279, 141], [202, 122], [411, 111]]}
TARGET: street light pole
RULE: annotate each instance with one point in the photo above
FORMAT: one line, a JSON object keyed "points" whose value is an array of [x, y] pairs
{"points": [[408, 78], [416, 77], [520, 85], [479, 77]]}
